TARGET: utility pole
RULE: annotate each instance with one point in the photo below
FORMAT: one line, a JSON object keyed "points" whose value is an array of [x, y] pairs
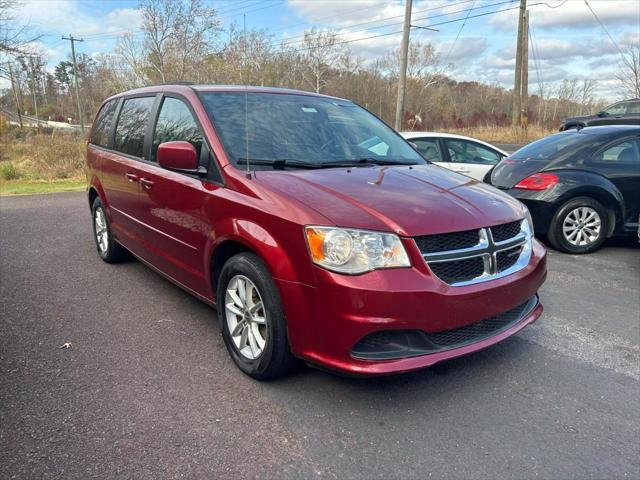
{"points": [[33, 90], [517, 87], [15, 94], [524, 118], [404, 54], [75, 76]]}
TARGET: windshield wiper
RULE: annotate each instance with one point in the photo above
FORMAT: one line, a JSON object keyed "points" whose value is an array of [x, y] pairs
{"points": [[367, 161], [279, 163]]}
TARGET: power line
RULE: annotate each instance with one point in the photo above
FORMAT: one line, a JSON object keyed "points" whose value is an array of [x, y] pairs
{"points": [[371, 21], [604, 28], [535, 56], [289, 42], [399, 31], [458, 34]]}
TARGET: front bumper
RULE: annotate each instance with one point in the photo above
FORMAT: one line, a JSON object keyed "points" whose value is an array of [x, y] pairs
{"points": [[326, 321]]}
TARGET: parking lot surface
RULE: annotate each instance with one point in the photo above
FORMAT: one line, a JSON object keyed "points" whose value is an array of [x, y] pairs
{"points": [[147, 390]]}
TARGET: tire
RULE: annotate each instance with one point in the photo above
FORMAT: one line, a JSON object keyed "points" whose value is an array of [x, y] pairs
{"points": [[108, 249], [579, 226], [256, 337]]}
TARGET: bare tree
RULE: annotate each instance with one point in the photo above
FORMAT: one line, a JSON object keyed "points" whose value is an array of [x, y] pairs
{"points": [[177, 35], [248, 58], [629, 71], [321, 52], [586, 95], [13, 36]]}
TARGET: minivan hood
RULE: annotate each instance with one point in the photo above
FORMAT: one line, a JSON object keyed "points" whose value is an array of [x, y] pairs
{"points": [[410, 201]]}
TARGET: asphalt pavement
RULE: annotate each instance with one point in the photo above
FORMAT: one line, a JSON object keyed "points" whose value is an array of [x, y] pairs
{"points": [[508, 147], [146, 389]]}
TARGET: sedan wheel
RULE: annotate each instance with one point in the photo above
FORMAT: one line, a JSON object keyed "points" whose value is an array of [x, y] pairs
{"points": [[581, 226], [245, 315]]}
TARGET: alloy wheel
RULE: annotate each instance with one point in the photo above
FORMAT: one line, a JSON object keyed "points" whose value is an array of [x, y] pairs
{"points": [[246, 317], [102, 232], [581, 226]]}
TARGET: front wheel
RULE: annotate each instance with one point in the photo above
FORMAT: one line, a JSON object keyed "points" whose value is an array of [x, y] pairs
{"points": [[579, 226], [252, 318], [109, 250]]}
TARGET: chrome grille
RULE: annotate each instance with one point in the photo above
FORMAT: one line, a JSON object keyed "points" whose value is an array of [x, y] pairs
{"points": [[457, 260]]}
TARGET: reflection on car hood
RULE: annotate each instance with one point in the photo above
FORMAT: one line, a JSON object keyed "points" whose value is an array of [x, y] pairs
{"points": [[410, 201]]}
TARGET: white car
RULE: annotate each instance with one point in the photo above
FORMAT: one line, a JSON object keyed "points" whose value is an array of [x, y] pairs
{"points": [[465, 155]]}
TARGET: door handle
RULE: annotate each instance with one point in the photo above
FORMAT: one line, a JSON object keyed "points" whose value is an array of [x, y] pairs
{"points": [[146, 183], [132, 177]]}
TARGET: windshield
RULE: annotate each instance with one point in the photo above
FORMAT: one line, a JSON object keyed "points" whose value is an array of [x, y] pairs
{"points": [[549, 147], [292, 129]]}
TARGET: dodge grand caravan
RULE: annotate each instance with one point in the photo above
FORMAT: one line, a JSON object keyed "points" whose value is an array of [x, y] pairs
{"points": [[316, 231]]}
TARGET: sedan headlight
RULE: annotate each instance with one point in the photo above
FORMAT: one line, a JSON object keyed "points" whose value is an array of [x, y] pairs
{"points": [[527, 215], [352, 251]]}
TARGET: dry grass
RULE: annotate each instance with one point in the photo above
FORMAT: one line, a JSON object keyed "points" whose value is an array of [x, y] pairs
{"points": [[504, 134], [46, 156]]}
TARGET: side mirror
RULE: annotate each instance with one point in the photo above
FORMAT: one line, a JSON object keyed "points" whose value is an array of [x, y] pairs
{"points": [[179, 155], [602, 114]]}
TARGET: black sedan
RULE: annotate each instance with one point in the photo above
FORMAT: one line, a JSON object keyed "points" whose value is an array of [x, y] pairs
{"points": [[581, 186], [626, 112]]}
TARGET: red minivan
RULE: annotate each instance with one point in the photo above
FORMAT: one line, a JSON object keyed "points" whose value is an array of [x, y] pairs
{"points": [[315, 229]]}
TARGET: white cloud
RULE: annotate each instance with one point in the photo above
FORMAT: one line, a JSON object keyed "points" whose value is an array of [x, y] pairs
{"points": [[343, 13], [67, 16], [464, 50], [572, 15]]}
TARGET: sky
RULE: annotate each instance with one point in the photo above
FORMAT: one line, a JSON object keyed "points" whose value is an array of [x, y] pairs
{"points": [[567, 40]]}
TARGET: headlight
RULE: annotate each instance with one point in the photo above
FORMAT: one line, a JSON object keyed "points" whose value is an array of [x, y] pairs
{"points": [[527, 215], [351, 251]]}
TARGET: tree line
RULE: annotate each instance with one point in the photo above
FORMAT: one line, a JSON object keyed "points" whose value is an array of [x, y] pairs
{"points": [[183, 40]]}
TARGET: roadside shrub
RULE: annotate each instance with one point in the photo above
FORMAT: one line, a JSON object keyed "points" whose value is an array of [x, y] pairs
{"points": [[8, 171], [45, 155], [4, 126]]}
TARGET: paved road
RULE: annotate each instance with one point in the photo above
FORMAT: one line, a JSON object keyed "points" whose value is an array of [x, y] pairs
{"points": [[147, 389], [508, 147]]}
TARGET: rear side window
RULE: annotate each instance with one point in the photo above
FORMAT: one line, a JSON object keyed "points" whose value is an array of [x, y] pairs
{"points": [[104, 120], [132, 124], [175, 122], [626, 152]]}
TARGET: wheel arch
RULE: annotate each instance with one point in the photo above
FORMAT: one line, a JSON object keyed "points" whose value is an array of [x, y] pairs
{"points": [[608, 195], [234, 236], [94, 191], [223, 252]]}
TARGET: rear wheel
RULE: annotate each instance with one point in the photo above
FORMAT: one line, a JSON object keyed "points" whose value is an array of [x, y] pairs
{"points": [[252, 318], [579, 226]]}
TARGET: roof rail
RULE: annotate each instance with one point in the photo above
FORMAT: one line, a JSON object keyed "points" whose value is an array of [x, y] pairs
{"points": [[180, 82]]}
